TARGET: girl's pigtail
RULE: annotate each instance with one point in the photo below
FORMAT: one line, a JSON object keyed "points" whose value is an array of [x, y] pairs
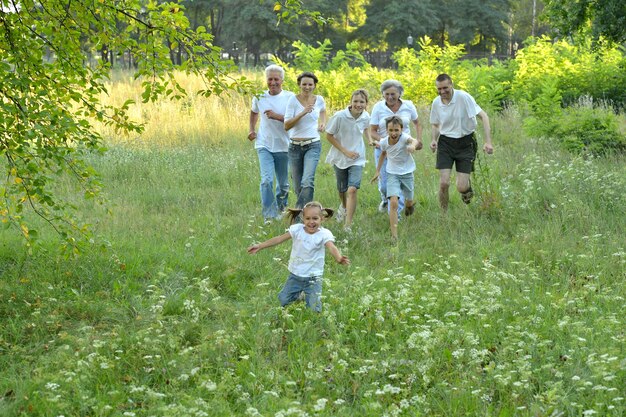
{"points": [[327, 213], [292, 215]]}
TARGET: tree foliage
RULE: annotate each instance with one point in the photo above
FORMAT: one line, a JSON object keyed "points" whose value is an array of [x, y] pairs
{"points": [[601, 18], [49, 96]]}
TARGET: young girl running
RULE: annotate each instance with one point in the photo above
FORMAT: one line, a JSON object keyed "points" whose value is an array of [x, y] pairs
{"points": [[397, 147], [347, 154], [306, 264]]}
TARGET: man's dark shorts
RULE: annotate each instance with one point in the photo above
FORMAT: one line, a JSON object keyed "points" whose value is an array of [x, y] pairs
{"points": [[460, 152]]}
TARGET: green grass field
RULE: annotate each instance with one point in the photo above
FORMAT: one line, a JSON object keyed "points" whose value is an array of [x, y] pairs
{"points": [[507, 307]]}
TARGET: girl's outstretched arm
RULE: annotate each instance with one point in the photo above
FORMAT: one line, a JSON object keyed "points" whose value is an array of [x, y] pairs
{"points": [[276, 240], [336, 254]]}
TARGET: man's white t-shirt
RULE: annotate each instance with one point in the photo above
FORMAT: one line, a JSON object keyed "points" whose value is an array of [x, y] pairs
{"points": [[272, 134], [457, 118]]}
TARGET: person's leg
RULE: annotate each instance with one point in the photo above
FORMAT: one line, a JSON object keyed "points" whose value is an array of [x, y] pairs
{"points": [[408, 185], [291, 290], [393, 192], [464, 167], [444, 185], [313, 293], [310, 159], [281, 166], [462, 182], [355, 173], [393, 216], [296, 166], [266, 167], [445, 162], [382, 180], [341, 175]]}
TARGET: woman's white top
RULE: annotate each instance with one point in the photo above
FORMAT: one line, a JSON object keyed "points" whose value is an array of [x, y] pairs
{"points": [[306, 127], [380, 112]]}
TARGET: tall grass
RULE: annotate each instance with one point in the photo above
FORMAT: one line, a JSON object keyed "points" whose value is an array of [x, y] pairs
{"points": [[509, 306]]}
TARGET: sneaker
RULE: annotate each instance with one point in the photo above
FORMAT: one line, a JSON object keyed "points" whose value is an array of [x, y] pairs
{"points": [[467, 196], [340, 214], [382, 207]]}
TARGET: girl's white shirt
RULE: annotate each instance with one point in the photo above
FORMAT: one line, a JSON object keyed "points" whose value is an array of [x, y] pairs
{"points": [[349, 132], [399, 160], [306, 127], [308, 251]]}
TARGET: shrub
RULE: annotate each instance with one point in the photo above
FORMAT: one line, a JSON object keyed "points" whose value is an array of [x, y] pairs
{"points": [[590, 128]]}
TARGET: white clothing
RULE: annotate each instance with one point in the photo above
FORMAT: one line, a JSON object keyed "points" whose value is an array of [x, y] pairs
{"points": [[399, 160], [308, 251], [271, 135], [457, 118], [380, 112], [306, 127], [349, 132]]}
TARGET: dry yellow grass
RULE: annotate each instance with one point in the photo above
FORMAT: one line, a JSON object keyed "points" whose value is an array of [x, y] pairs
{"points": [[192, 120]]}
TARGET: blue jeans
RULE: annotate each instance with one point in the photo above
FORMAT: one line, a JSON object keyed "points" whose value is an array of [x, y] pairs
{"points": [[273, 164], [303, 163], [382, 181], [312, 287]]}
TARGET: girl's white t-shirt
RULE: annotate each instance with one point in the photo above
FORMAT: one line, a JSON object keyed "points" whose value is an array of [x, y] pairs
{"points": [[306, 127], [399, 160], [308, 251], [349, 132]]}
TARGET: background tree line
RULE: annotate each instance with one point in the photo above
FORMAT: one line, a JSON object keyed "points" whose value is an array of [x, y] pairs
{"points": [[484, 27]]}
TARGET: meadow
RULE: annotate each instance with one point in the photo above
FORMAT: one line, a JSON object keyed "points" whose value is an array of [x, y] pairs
{"points": [[507, 307]]}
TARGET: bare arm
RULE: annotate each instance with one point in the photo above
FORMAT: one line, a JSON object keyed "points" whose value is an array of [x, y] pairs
{"points": [[418, 134], [276, 240], [254, 117], [488, 146], [435, 137], [289, 123], [374, 136], [381, 159], [368, 136], [336, 254], [333, 141], [272, 115], [322, 121]]}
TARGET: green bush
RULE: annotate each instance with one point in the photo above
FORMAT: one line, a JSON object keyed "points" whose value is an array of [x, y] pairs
{"points": [[589, 128]]}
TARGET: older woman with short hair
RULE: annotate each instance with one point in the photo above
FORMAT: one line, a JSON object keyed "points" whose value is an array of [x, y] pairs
{"points": [[391, 105]]}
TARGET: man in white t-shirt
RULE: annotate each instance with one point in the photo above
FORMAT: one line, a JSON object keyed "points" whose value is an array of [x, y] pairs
{"points": [[453, 118], [272, 142]]}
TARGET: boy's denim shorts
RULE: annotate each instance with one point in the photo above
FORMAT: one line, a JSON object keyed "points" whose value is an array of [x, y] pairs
{"points": [[397, 184]]}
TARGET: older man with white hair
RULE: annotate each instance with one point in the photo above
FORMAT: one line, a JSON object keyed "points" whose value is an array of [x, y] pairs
{"points": [[272, 142]]}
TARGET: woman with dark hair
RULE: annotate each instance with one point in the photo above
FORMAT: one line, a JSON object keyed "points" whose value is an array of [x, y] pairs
{"points": [[305, 117]]}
